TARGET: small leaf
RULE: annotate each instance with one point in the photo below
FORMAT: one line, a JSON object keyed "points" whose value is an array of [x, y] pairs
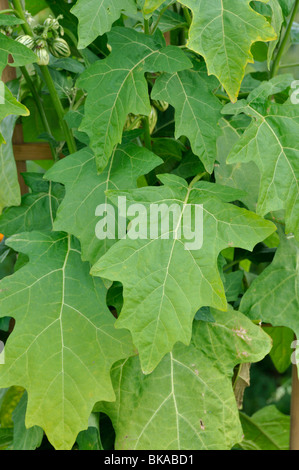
{"points": [[273, 295], [96, 18], [267, 429], [282, 338], [37, 210], [21, 54], [23, 438]]}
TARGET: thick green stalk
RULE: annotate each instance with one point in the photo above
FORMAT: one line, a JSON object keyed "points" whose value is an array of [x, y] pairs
{"points": [[187, 16], [146, 27], [276, 62], [59, 109], [147, 134], [50, 84], [40, 107], [159, 18], [19, 10], [197, 178], [288, 66]]}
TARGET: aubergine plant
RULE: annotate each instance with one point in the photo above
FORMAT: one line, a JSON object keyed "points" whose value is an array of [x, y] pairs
{"points": [[130, 341]]}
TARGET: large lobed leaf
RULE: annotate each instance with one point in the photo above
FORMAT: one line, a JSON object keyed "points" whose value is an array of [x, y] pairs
{"points": [[165, 284], [188, 402], [96, 17], [85, 190], [223, 31], [197, 110], [271, 141], [273, 295], [116, 86], [64, 342]]}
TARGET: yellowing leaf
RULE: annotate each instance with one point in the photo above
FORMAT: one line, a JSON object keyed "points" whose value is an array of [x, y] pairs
{"points": [[223, 31]]}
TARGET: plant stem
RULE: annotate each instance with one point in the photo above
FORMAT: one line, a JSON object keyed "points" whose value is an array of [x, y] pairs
{"points": [[159, 18], [221, 97], [19, 10], [294, 431], [232, 264], [59, 109], [146, 27], [50, 84], [9, 10], [197, 178], [276, 62], [187, 16], [286, 66], [147, 134], [39, 106]]}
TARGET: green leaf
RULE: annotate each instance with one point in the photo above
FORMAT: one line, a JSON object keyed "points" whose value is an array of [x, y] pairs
{"points": [[164, 283], [96, 18], [35, 6], [116, 86], [23, 438], [90, 438], [6, 437], [169, 20], [9, 20], [223, 31], [273, 295], [9, 185], [233, 285], [63, 351], [11, 398], [10, 105], [276, 22], [85, 190], [196, 113], [21, 54], [267, 429], [151, 5], [282, 338], [286, 6], [239, 175], [271, 142], [188, 401], [10, 194], [37, 210]]}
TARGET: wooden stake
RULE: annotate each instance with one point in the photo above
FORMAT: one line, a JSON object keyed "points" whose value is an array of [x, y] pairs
{"points": [[294, 433], [9, 73]]}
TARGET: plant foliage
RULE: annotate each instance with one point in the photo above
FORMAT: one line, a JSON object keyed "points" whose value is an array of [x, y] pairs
{"points": [[136, 341]]}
